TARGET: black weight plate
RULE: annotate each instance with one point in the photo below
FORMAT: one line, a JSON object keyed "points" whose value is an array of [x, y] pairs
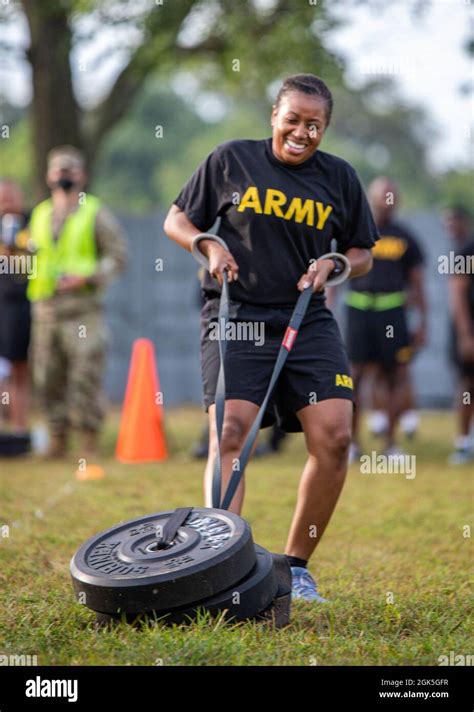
{"points": [[121, 569], [278, 614], [283, 572], [244, 600]]}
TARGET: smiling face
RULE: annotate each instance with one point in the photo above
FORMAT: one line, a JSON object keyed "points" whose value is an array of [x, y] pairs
{"points": [[298, 125]]}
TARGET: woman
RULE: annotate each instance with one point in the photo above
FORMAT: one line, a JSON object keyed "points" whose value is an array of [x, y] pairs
{"points": [[281, 201]]}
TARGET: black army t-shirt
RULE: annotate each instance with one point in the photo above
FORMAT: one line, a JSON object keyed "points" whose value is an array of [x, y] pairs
{"points": [[13, 286], [395, 254], [275, 218]]}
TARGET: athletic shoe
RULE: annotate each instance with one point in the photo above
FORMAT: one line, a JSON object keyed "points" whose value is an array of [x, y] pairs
{"points": [[394, 451], [461, 456], [409, 423], [303, 586]]}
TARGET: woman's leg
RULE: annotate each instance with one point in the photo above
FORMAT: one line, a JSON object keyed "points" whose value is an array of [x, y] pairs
{"points": [[238, 419], [19, 401], [327, 429], [358, 371], [396, 380]]}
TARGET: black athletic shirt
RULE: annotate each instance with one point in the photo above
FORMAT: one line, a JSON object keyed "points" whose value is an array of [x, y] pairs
{"points": [[395, 254], [13, 286], [275, 218]]}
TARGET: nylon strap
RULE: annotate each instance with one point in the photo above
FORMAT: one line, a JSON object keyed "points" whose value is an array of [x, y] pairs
{"points": [[219, 500], [171, 527], [286, 345]]}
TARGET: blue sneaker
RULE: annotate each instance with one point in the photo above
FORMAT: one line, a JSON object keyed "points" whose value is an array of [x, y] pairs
{"points": [[461, 456], [303, 586]]}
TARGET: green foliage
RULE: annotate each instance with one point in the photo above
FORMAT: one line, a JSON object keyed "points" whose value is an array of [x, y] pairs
{"points": [[241, 51], [457, 188], [128, 170], [16, 153], [139, 172], [141, 168]]}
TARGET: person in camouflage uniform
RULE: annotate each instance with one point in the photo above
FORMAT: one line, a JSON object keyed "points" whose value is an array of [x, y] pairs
{"points": [[79, 249]]}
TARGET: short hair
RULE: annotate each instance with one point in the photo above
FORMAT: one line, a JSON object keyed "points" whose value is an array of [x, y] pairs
{"points": [[308, 84], [68, 155]]}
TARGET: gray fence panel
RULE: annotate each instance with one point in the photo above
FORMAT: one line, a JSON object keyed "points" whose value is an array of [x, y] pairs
{"points": [[433, 372], [159, 305], [163, 306]]}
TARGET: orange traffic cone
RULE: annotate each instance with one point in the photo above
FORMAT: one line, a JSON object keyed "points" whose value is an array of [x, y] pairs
{"points": [[141, 437]]}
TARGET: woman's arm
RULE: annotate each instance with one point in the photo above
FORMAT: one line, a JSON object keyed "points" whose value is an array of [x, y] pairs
{"points": [[361, 260], [361, 263], [179, 228]]}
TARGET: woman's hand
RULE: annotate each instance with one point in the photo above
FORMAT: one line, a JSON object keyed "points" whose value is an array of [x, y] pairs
{"points": [[317, 275], [70, 283], [220, 259]]}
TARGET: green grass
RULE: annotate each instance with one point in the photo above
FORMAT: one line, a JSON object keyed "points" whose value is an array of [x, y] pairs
{"points": [[388, 535]]}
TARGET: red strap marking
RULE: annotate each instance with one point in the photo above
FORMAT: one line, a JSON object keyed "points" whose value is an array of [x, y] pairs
{"points": [[289, 338]]}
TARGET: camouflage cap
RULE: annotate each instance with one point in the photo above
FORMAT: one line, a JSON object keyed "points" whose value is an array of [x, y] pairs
{"points": [[65, 157]]}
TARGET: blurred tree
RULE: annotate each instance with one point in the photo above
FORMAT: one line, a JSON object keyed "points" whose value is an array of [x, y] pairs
{"points": [[381, 134], [139, 170], [457, 188], [240, 45]]}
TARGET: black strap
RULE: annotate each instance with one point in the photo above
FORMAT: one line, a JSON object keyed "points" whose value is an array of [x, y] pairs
{"points": [[223, 318], [285, 348], [178, 518]]}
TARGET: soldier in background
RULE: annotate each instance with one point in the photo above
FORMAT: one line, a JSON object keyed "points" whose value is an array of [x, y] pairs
{"points": [[378, 337], [80, 248]]}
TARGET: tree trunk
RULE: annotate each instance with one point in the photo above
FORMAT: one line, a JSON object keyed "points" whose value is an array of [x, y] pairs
{"points": [[54, 111]]}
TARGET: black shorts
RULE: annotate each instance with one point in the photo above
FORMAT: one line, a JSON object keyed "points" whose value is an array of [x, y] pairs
{"points": [[316, 369], [15, 327], [379, 337]]}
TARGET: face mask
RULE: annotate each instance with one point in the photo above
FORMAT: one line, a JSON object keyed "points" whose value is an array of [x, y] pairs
{"points": [[66, 184]]}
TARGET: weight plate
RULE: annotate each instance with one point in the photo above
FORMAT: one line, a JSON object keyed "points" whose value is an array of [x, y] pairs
{"points": [[244, 600], [121, 569]]}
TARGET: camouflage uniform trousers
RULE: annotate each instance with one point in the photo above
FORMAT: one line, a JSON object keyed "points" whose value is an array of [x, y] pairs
{"points": [[68, 355]]}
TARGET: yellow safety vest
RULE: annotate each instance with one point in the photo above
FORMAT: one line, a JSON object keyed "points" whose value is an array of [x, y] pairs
{"points": [[74, 252]]}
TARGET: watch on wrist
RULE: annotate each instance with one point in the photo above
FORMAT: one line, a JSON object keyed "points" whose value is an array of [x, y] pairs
{"points": [[338, 267]]}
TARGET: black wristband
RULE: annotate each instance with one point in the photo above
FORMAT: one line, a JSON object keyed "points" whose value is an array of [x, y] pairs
{"points": [[338, 267]]}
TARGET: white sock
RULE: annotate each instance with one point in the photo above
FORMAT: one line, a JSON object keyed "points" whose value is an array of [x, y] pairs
{"points": [[409, 421], [463, 442], [378, 421]]}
